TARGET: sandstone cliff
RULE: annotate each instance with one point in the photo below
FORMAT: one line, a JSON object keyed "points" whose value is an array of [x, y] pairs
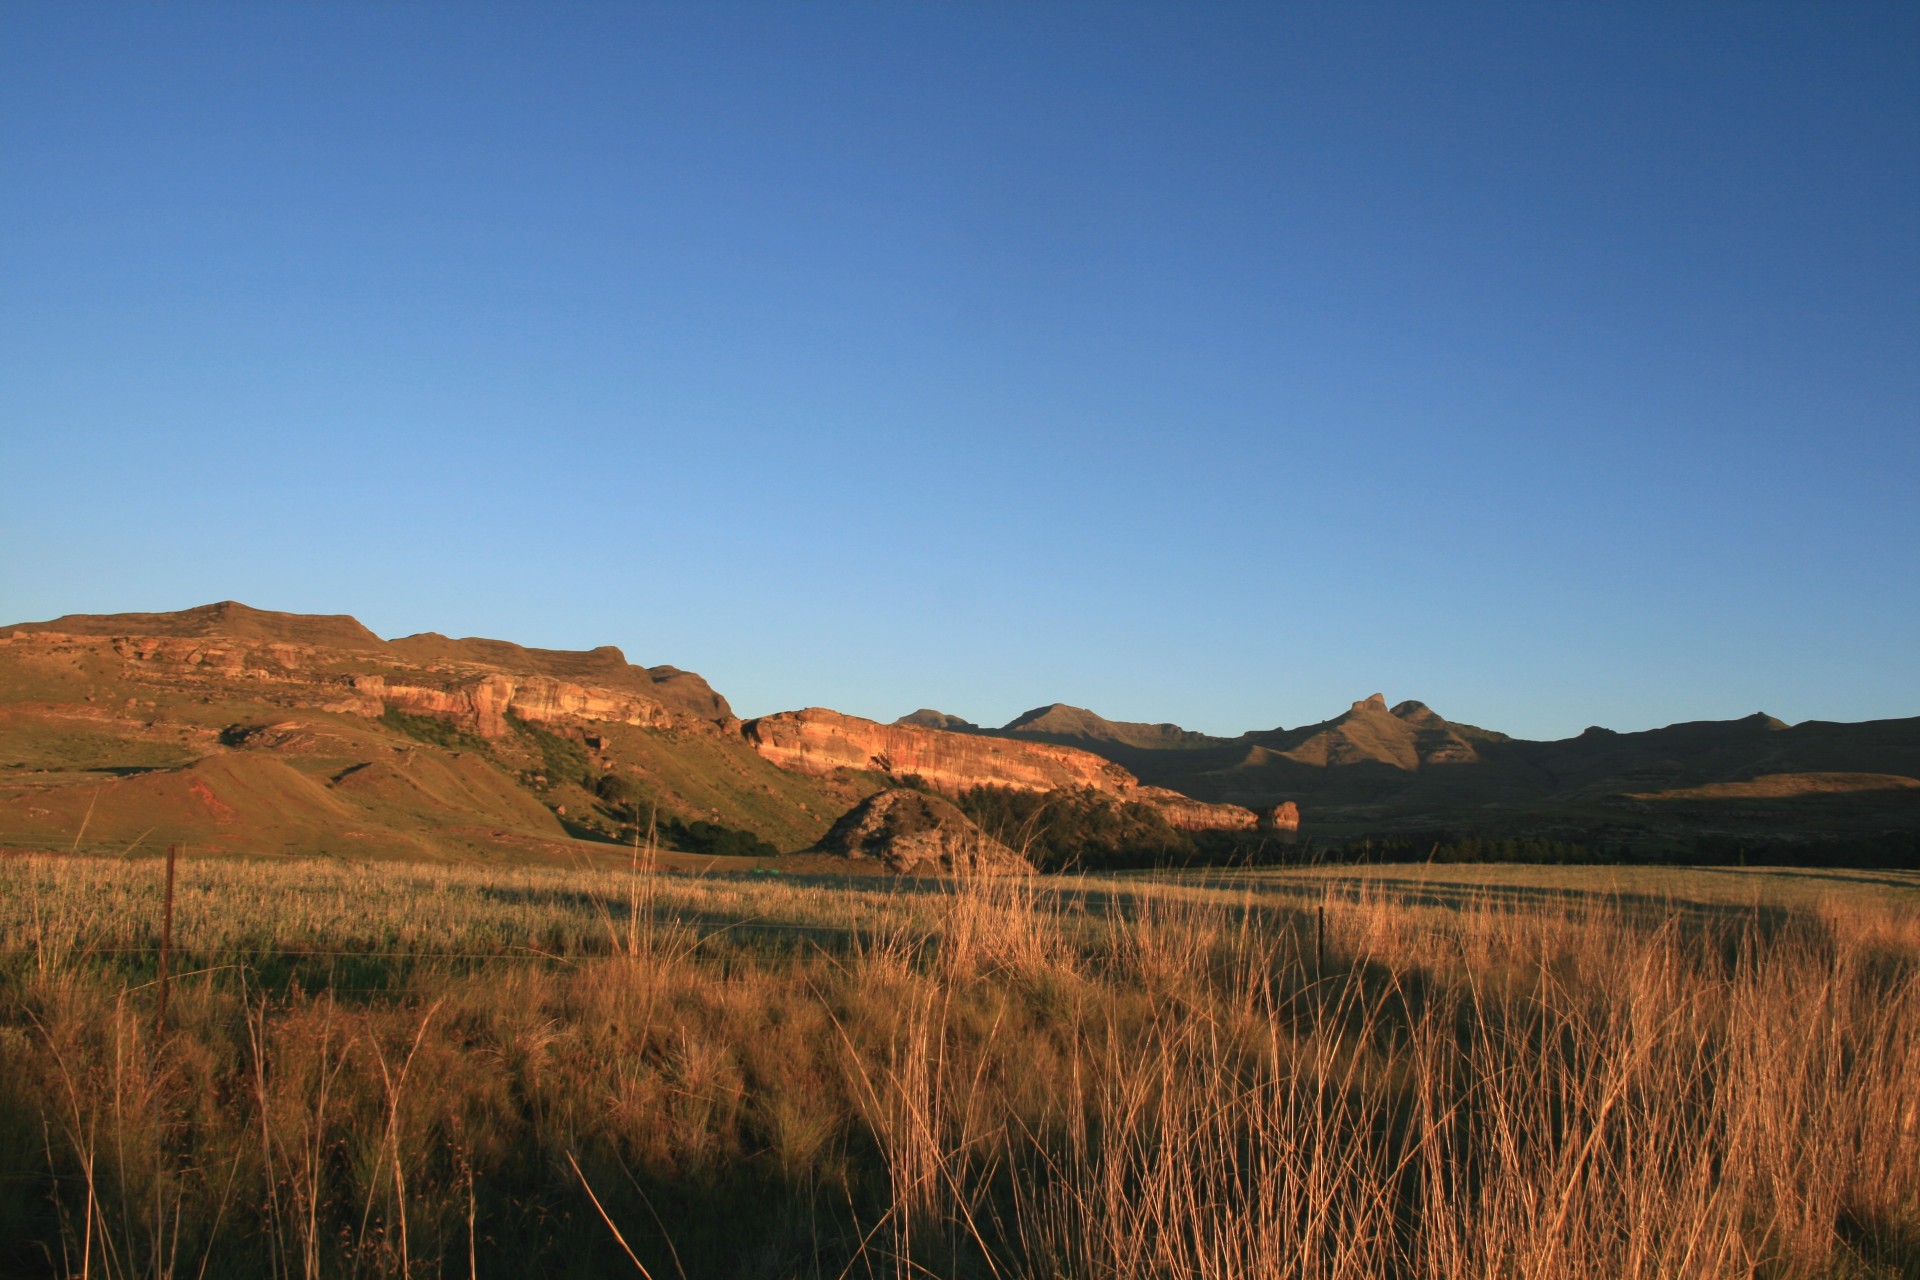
{"points": [[483, 703], [602, 668], [820, 741], [1188, 814]]}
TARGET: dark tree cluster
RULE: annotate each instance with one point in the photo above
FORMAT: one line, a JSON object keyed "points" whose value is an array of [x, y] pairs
{"points": [[628, 800]]}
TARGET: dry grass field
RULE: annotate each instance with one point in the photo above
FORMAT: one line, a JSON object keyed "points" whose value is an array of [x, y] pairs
{"points": [[1406, 1072]]}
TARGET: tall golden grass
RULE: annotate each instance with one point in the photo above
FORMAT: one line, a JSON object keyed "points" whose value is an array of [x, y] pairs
{"points": [[371, 1072]]}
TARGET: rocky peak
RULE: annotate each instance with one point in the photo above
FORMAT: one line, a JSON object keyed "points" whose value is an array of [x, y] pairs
{"points": [[1378, 702]]}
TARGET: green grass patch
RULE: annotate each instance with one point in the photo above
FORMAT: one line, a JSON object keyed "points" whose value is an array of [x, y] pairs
{"points": [[562, 759], [431, 730]]}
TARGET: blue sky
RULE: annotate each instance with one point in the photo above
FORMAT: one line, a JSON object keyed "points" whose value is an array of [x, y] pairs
{"points": [[1552, 365]]}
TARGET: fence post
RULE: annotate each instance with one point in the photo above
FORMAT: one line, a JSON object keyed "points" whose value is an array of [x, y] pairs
{"points": [[1320, 941], [166, 946]]}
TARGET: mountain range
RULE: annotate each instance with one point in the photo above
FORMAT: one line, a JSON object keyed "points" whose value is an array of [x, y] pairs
{"points": [[1378, 768], [243, 729]]}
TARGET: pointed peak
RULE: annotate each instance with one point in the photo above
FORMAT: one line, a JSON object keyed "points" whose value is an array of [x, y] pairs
{"points": [[1378, 702]]}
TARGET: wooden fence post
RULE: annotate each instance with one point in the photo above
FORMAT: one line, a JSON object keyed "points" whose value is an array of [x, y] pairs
{"points": [[1320, 941], [166, 946]]}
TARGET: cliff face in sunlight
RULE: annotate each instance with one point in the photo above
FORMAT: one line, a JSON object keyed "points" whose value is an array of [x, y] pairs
{"points": [[820, 741]]}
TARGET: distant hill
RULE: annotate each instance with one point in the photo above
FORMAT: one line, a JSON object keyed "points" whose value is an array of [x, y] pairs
{"points": [[1075, 726], [1378, 769], [927, 718]]}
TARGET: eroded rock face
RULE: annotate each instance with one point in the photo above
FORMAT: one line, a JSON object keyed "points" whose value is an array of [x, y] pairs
{"points": [[820, 741], [483, 703], [919, 834], [605, 669], [366, 683]]}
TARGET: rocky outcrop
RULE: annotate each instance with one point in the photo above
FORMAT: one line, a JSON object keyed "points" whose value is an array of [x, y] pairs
{"points": [[1188, 814], [484, 703], [820, 741], [603, 668], [235, 659], [914, 833]]}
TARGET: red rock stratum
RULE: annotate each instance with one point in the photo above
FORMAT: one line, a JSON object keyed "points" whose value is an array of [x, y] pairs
{"points": [[820, 741]]}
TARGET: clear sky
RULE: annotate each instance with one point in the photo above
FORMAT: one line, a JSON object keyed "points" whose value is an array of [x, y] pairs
{"points": [[1554, 365]]}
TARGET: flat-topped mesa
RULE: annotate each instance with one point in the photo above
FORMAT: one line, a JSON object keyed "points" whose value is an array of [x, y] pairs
{"points": [[334, 664], [228, 621], [819, 741]]}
